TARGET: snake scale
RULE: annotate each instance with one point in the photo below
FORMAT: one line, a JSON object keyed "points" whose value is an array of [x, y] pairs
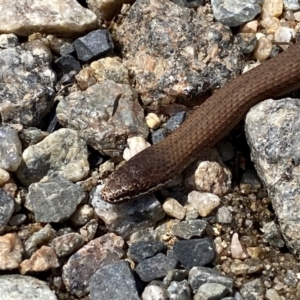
{"points": [[152, 168]]}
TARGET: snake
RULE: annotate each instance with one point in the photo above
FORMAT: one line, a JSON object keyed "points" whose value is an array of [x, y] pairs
{"points": [[152, 168]]}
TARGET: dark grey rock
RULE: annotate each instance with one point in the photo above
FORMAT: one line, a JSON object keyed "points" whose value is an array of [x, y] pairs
{"points": [[201, 275], [273, 235], [31, 136], [54, 200], [114, 281], [104, 115], [68, 63], [189, 3], [17, 219], [67, 244], [250, 182], [234, 13], [155, 267], [192, 253], [142, 250], [66, 49], [188, 229], [179, 290], [275, 145], [212, 291], [175, 275], [175, 121], [158, 135], [7, 206], [93, 45], [20, 287], [226, 150], [83, 264], [27, 86], [10, 149], [253, 289]]}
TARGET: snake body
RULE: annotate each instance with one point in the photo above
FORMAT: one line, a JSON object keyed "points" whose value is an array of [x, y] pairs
{"points": [[152, 168]]}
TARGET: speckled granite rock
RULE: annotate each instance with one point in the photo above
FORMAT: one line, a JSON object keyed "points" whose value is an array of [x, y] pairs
{"points": [[166, 56], [105, 115], [61, 17], [274, 150], [26, 96], [63, 153], [7, 205]]}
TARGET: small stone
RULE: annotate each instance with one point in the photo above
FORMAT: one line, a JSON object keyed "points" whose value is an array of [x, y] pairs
{"points": [[292, 5], [158, 135], [273, 235], [263, 49], [10, 148], [135, 144], [17, 219], [82, 215], [42, 260], [24, 287], [31, 136], [95, 44], [174, 209], [66, 49], [179, 290], [224, 215], [250, 27], [67, 244], [189, 3], [205, 203], [96, 254], [271, 294], [7, 205], [237, 250], [284, 35], [154, 292], [246, 267], [197, 252], [253, 289], [68, 63], [113, 281], [8, 40], [153, 121], [211, 291], [250, 183], [145, 249], [175, 121], [89, 230], [105, 9], [226, 150], [155, 267], [11, 251], [297, 16], [272, 8], [189, 229], [175, 275], [4, 176]]}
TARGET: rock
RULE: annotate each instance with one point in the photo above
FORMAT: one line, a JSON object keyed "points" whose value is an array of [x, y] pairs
{"points": [[142, 250], [200, 275], [105, 9], [135, 144], [89, 230], [197, 252], [292, 5], [253, 289], [155, 267], [42, 260], [153, 292], [67, 244], [179, 290], [234, 13], [273, 235], [237, 250], [66, 17], [8, 40], [175, 121], [99, 114], [284, 35], [175, 275], [92, 46], [53, 200], [10, 148], [68, 63], [17, 219], [224, 215], [11, 252], [158, 135], [211, 291], [250, 182], [271, 294], [226, 150], [174, 209], [272, 8], [263, 49], [24, 287], [153, 121], [113, 281], [126, 218], [246, 267], [28, 83], [62, 153], [96, 254], [31, 136], [82, 215], [7, 205], [37, 239], [4, 176], [162, 60], [189, 229], [274, 152]]}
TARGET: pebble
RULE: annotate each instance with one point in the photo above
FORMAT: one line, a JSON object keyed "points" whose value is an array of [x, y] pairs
{"points": [[196, 252], [83, 214], [189, 3], [292, 5], [224, 215], [153, 292], [246, 267], [263, 49], [113, 281], [204, 203], [179, 290], [250, 27], [271, 294], [153, 121], [24, 287], [237, 250], [145, 249], [253, 289], [175, 121], [250, 183], [174, 209], [135, 144], [17, 219], [272, 8], [4, 176], [8, 40], [67, 244], [155, 267], [105, 9], [211, 291], [158, 135], [273, 235], [68, 63], [284, 35], [189, 229], [175, 275], [7, 205]]}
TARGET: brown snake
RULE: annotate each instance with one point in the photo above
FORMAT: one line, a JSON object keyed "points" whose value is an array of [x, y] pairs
{"points": [[152, 168]]}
